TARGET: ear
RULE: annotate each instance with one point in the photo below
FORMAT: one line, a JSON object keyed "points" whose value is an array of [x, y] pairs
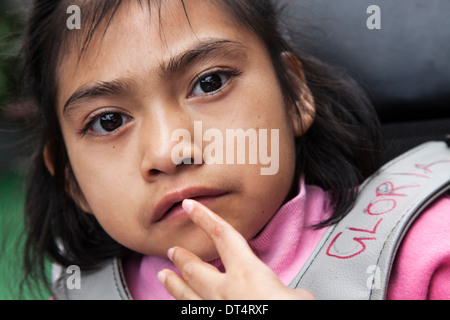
{"points": [[48, 160], [303, 112]]}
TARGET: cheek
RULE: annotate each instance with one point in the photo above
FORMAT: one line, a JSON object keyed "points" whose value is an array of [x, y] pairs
{"points": [[102, 173], [264, 194], [111, 198]]}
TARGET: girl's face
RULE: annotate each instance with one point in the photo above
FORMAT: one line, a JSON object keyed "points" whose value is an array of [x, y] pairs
{"points": [[119, 106]]}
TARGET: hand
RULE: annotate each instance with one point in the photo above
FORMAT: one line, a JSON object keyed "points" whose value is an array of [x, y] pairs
{"points": [[246, 276]]}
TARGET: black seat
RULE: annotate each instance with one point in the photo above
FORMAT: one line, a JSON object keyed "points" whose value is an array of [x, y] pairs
{"points": [[404, 65]]}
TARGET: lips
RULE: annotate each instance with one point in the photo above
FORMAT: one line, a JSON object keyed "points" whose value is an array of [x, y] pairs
{"points": [[173, 200]]}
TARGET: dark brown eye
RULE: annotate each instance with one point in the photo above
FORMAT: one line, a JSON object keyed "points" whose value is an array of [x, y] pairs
{"points": [[108, 123], [210, 84]]}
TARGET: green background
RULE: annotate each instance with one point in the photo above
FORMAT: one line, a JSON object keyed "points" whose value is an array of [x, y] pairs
{"points": [[11, 247], [13, 160]]}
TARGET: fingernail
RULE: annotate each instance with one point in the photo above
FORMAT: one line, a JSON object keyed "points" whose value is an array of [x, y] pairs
{"points": [[170, 253], [161, 276], [188, 206]]}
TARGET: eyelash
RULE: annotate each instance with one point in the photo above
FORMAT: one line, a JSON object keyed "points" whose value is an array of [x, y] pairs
{"points": [[95, 117], [231, 73]]}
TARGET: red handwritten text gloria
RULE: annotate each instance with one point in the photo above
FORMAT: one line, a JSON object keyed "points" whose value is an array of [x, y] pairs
{"points": [[386, 199]]}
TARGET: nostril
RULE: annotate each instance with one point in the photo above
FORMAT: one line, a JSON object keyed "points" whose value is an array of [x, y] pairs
{"points": [[167, 168], [154, 172]]}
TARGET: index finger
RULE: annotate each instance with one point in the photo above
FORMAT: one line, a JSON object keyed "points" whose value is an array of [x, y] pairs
{"points": [[230, 244]]}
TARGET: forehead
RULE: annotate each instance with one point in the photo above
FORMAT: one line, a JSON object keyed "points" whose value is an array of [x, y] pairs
{"points": [[141, 36]]}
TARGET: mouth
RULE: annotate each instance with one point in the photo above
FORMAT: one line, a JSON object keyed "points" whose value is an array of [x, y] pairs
{"points": [[169, 207]]}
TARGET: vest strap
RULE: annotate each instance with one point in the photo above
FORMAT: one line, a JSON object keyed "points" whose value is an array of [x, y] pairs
{"points": [[104, 283], [355, 257]]}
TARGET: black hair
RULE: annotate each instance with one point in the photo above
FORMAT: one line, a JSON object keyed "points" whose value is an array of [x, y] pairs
{"points": [[336, 153]]}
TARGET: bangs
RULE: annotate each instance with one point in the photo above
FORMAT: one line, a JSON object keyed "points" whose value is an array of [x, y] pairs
{"points": [[97, 16]]}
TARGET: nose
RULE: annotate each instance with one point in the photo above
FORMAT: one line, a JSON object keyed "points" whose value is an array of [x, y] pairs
{"points": [[168, 145]]}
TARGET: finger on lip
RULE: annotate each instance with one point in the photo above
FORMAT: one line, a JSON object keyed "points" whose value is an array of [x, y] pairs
{"points": [[188, 205], [191, 205], [173, 198]]}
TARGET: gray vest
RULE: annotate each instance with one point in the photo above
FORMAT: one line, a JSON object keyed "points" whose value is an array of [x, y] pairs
{"points": [[354, 258]]}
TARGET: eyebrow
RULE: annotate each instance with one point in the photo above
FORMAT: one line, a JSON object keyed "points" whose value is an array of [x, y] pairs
{"points": [[98, 89], [202, 51]]}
